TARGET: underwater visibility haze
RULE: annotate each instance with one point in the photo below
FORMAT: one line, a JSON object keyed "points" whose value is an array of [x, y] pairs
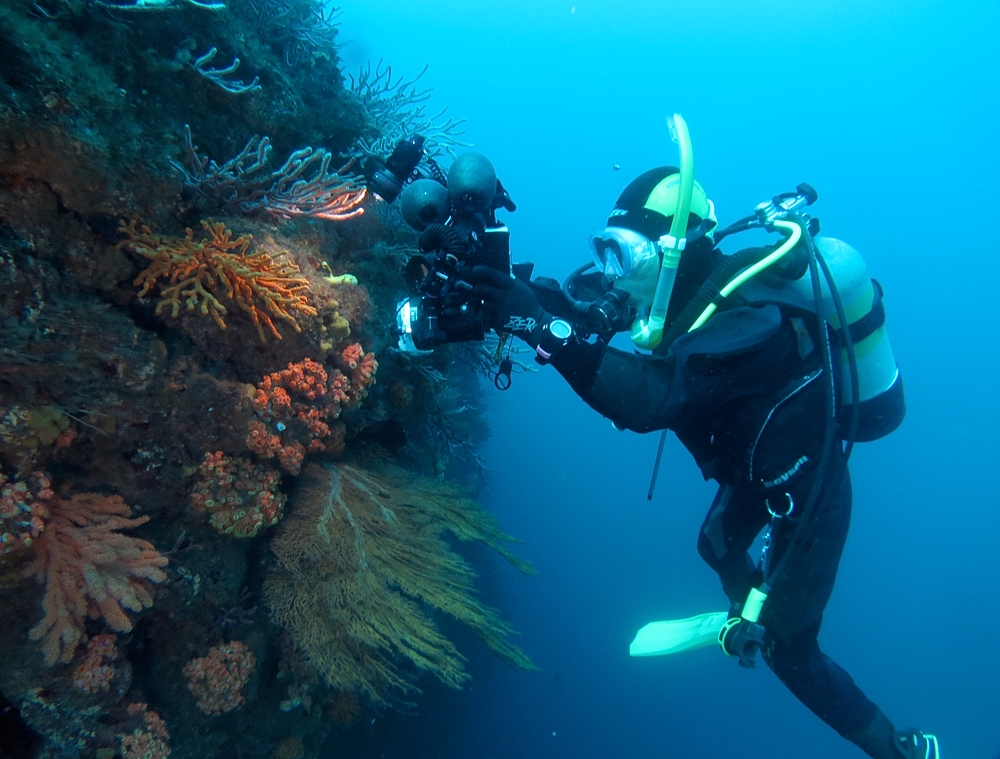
{"points": [[244, 514]]}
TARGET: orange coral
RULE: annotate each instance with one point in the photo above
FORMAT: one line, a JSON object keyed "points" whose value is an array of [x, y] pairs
{"points": [[91, 570], [296, 406], [350, 389], [217, 680], [147, 741], [200, 272], [95, 673], [291, 457], [240, 496], [351, 355], [362, 367], [23, 510]]}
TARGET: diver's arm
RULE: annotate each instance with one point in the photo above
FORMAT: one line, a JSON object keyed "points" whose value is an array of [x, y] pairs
{"points": [[718, 362], [636, 392], [617, 385], [735, 354]]}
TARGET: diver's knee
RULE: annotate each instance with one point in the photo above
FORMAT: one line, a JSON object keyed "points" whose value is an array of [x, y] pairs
{"points": [[706, 550], [796, 656]]}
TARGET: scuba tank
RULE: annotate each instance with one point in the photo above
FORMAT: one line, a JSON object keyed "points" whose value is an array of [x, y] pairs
{"points": [[880, 389]]}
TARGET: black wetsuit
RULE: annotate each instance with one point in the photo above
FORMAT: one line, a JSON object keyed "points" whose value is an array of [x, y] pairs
{"points": [[747, 395]]}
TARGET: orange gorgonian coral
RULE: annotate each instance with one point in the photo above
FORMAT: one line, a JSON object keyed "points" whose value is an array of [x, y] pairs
{"points": [[198, 273]]}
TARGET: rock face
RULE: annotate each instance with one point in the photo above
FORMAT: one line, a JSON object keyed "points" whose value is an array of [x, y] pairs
{"points": [[176, 229]]}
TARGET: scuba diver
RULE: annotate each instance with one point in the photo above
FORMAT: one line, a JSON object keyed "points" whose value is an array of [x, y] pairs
{"points": [[768, 364]]}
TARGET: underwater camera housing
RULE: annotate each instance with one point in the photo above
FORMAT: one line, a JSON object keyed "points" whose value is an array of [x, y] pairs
{"points": [[456, 216]]}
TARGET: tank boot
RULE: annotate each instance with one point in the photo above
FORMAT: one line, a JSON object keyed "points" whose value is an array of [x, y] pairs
{"points": [[881, 740]]}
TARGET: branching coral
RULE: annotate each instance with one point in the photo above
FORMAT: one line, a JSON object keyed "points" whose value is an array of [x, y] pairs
{"points": [[304, 185], [90, 569], [200, 272], [361, 562], [158, 5], [397, 112], [306, 29], [219, 76]]}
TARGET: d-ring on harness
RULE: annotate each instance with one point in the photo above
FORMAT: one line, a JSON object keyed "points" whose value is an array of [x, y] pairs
{"points": [[776, 516]]}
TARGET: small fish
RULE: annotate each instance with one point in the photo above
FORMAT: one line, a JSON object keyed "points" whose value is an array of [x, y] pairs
{"points": [[616, 167]]}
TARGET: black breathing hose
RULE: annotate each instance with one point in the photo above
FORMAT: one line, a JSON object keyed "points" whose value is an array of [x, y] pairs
{"points": [[581, 306], [442, 237], [740, 225], [709, 291], [706, 294], [814, 498]]}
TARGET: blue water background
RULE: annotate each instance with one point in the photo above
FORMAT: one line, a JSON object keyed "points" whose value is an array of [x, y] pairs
{"points": [[890, 110]]}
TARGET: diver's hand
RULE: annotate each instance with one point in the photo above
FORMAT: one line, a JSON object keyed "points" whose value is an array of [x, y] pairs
{"points": [[492, 285], [743, 639], [511, 306]]}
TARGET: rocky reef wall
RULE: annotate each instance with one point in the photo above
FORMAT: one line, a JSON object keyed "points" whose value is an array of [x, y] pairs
{"points": [[195, 351]]}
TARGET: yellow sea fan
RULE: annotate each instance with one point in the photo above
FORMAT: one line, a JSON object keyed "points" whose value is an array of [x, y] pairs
{"points": [[362, 560]]}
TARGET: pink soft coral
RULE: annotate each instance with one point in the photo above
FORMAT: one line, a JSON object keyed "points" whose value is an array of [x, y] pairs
{"points": [[89, 569]]}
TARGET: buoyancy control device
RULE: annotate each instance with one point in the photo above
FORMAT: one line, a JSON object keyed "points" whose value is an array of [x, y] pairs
{"points": [[880, 391]]}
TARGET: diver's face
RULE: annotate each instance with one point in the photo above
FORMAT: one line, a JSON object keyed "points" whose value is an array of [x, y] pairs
{"points": [[630, 262]]}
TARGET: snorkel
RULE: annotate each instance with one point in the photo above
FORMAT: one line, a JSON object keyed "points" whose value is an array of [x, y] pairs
{"points": [[648, 332]]}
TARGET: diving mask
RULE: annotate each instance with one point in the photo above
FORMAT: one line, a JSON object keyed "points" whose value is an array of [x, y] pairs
{"points": [[623, 254]]}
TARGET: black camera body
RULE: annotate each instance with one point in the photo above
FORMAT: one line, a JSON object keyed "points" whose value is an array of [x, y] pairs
{"points": [[448, 309], [457, 218]]}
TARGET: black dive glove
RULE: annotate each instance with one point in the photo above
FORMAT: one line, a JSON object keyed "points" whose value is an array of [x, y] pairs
{"points": [[743, 639], [511, 306]]}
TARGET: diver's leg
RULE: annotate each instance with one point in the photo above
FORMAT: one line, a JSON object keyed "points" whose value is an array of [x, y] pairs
{"points": [[793, 614], [733, 522], [823, 686]]}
